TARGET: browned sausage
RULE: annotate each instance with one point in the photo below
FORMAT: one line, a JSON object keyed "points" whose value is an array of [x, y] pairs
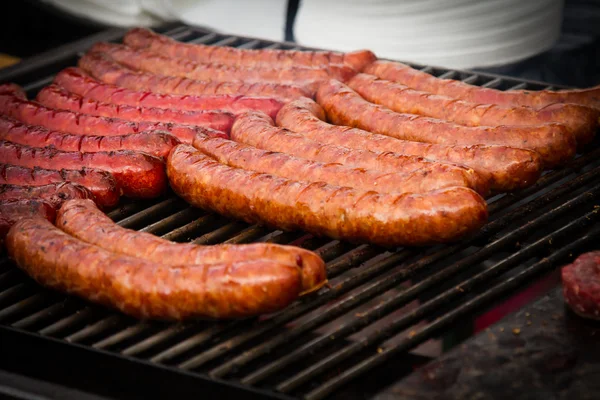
{"points": [[12, 211], [507, 168], [100, 183], [247, 157], [54, 193], [343, 106], [581, 121], [339, 212], [145, 289], [84, 221], [146, 39], [394, 71]]}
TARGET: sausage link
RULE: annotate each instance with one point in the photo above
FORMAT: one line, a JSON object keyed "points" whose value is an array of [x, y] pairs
{"points": [[507, 168], [343, 106], [54, 96], [13, 89], [139, 175], [12, 211], [84, 221], [146, 289], [76, 81], [100, 183], [141, 38], [345, 213], [155, 143], [54, 193], [398, 72]]}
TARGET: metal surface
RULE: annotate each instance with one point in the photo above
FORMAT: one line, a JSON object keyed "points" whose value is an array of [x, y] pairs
{"points": [[380, 307]]}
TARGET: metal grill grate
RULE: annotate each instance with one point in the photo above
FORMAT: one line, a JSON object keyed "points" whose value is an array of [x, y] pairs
{"points": [[380, 307]]}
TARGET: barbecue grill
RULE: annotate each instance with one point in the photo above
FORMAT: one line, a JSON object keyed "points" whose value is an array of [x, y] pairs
{"points": [[350, 340]]}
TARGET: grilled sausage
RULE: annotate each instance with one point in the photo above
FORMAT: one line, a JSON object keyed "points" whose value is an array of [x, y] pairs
{"points": [[146, 289], [397, 72], [76, 81], [507, 168], [160, 64], [100, 183], [33, 113], [581, 281], [13, 89], [84, 221], [103, 68], [146, 39], [53, 96], [139, 175], [343, 106], [54, 193], [155, 143], [345, 213], [247, 157], [12, 211], [580, 121]]}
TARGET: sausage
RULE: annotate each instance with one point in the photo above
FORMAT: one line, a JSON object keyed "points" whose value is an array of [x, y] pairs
{"points": [[507, 168], [246, 157], [398, 72], [54, 193], [580, 121], [343, 106], [101, 67], [139, 175], [76, 81], [160, 64], [581, 285], [12, 211], [33, 113], [340, 212], [13, 89], [53, 96], [101, 184], [82, 220], [156, 143], [146, 289], [141, 38]]}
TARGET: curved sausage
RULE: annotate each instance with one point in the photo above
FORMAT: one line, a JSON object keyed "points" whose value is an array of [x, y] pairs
{"points": [[139, 175], [146, 289], [101, 67], [12, 211], [580, 121], [343, 106], [142, 38], [54, 193], [507, 168], [247, 157], [76, 81], [155, 143], [345, 213], [397, 72], [100, 183], [81, 219], [54, 96]]}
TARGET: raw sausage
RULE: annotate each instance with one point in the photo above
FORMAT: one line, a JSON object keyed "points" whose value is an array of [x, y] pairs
{"points": [[54, 193], [385, 219], [581, 285], [145, 289], [81, 219], [12, 211]]}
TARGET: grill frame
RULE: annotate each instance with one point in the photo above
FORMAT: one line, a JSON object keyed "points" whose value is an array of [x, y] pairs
{"points": [[370, 274]]}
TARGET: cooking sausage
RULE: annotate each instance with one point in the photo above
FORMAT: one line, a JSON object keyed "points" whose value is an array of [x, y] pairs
{"points": [[247, 157], [339, 212], [343, 106], [83, 220], [76, 81], [33, 113], [12, 211], [156, 143], [398, 72], [146, 39], [581, 284], [54, 193], [146, 289], [53, 96], [139, 175], [100, 183], [160, 64], [580, 121], [13, 89], [103, 68]]}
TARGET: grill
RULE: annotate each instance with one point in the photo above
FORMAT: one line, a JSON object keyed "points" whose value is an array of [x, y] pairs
{"points": [[369, 328]]}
